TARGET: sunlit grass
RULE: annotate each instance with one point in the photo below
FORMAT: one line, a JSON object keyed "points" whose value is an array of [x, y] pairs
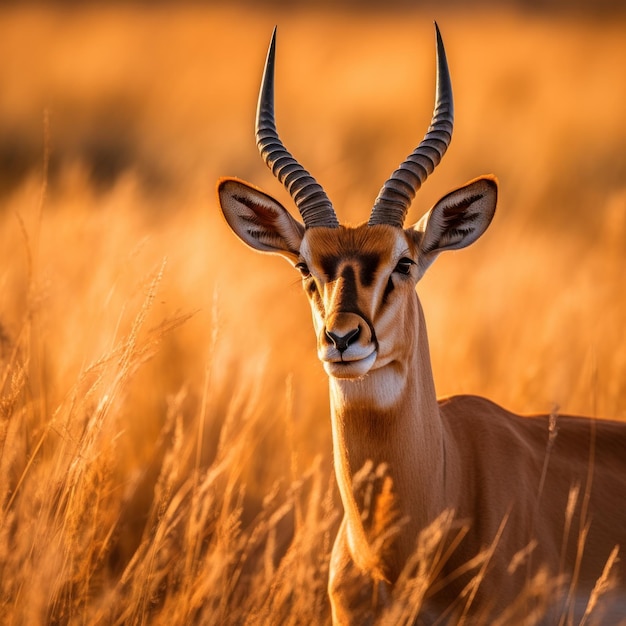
{"points": [[164, 429]]}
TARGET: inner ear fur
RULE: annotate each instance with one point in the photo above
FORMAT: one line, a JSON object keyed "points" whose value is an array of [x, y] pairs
{"points": [[458, 219], [259, 220]]}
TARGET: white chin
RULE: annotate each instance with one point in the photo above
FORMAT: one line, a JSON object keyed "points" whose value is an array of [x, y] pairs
{"points": [[350, 369]]}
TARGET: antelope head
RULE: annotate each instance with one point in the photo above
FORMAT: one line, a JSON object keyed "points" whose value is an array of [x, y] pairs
{"points": [[360, 280]]}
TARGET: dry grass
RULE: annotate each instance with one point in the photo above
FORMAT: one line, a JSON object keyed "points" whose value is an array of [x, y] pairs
{"points": [[164, 435]]}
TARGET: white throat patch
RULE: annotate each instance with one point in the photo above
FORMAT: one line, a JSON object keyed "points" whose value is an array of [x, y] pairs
{"points": [[381, 388]]}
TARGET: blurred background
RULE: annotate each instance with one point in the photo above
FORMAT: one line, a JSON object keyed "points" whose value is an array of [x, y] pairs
{"points": [[122, 287], [147, 104]]}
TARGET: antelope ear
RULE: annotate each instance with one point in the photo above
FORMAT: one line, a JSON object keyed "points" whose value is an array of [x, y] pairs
{"points": [[457, 220], [258, 220]]}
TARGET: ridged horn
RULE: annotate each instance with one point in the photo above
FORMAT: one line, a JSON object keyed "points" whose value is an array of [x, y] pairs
{"points": [[397, 193], [312, 202]]}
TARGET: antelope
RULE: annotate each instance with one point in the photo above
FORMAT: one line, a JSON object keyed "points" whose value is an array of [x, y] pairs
{"points": [[517, 497]]}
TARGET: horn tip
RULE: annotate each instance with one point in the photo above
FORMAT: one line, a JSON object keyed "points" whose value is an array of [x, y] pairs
{"points": [[440, 46], [438, 33], [273, 40]]}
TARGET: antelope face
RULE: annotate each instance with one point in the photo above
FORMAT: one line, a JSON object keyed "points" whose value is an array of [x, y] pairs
{"points": [[360, 281], [357, 281]]}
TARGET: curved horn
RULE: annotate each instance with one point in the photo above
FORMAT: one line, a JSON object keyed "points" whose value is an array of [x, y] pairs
{"points": [[311, 200], [397, 193]]}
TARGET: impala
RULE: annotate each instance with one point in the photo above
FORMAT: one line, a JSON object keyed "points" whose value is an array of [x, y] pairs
{"points": [[517, 498]]}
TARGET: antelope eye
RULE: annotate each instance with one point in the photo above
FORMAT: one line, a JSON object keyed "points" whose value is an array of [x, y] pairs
{"points": [[303, 268], [404, 266]]}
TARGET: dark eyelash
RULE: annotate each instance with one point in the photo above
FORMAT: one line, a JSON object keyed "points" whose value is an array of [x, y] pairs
{"points": [[303, 268], [404, 266]]}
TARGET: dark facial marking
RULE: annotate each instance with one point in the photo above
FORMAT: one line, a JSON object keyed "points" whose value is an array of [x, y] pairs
{"points": [[388, 290], [368, 266], [347, 302], [314, 294], [329, 265], [348, 296]]}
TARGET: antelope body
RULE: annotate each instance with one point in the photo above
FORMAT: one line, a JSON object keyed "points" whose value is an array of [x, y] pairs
{"points": [[513, 501]]}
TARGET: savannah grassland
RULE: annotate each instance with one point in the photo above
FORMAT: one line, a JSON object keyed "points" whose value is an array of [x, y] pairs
{"points": [[165, 451]]}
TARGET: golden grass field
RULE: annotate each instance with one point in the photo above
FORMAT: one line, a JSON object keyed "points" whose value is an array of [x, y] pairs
{"points": [[165, 453]]}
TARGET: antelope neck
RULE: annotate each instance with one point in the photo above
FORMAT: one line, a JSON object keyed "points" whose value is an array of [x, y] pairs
{"points": [[399, 427]]}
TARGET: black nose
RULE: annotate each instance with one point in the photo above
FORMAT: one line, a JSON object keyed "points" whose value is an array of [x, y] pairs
{"points": [[341, 342]]}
